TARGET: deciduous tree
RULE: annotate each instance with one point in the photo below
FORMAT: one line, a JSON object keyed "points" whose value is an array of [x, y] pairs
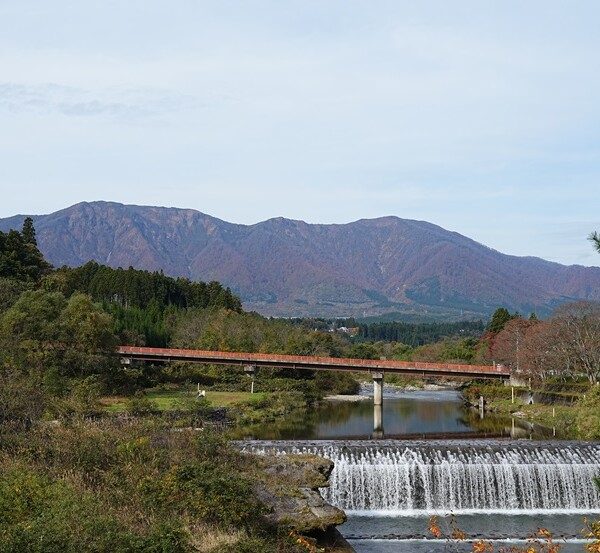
{"points": [[578, 336], [508, 346]]}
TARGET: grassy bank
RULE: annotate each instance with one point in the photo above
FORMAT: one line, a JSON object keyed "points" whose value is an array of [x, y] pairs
{"points": [[578, 420], [172, 398]]}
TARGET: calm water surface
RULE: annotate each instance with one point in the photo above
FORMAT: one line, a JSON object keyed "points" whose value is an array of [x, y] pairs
{"points": [[407, 533], [406, 415]]}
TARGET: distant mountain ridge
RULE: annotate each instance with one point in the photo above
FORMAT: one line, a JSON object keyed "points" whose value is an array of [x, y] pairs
{"points": [[283, 267]]}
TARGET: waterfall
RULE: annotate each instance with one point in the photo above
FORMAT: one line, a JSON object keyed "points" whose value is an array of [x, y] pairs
{"points": [[449, 476]]}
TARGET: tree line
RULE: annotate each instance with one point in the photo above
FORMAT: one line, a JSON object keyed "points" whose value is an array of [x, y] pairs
{"points": [[565, 346], [138, 288], [419, 334]]}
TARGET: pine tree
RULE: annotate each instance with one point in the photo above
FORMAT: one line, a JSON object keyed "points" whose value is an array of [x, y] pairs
{"points": [[594, 237], [28, 232], [500, 317]]}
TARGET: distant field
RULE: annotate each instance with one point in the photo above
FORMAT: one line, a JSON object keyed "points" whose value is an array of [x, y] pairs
{"points": [[171, 399]]}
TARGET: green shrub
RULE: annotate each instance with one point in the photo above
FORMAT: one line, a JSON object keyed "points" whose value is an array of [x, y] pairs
{"points": [[268, 408], [140, 405], [332, 382], [496, 391], [39, 515], [206, 490]]}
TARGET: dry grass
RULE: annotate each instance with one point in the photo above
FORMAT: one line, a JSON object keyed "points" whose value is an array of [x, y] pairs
{"points": [[206, 538]]}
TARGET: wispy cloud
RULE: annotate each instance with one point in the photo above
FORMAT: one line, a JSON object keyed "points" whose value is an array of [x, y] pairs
{"points": [[128, 104]]}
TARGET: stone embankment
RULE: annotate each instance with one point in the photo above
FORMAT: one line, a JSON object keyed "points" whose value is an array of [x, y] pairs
{"points": [[289, 486]]}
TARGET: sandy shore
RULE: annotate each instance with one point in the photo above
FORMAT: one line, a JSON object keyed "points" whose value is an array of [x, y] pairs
{"points": [[409, 388], [352, 398]]}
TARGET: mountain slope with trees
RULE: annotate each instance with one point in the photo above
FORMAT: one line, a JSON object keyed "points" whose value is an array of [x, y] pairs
{"points": [[289, 268]]}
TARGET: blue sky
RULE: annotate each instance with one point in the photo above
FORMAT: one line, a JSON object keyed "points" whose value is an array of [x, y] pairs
{"points": [[480, 116]]}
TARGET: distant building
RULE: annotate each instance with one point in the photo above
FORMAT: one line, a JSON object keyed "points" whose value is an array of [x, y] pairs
{"points": [[353, 331]]}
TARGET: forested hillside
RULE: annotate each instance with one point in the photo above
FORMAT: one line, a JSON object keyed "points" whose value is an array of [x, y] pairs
{"points": [[59, 328], [141, 303], [138, 288]]}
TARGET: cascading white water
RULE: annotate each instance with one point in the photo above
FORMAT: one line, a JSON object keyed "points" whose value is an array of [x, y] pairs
{"points": [[450, 477], [428, 480]]}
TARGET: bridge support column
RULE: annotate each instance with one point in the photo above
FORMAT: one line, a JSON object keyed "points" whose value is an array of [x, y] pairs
{"points": [[377, 405], [377, 388], [250, 371]]}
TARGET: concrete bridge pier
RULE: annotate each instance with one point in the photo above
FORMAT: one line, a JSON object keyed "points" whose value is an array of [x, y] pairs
{"points": [[250, 371], [377, 388]]}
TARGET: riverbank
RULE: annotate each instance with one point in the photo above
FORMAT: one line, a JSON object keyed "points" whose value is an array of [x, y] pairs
{"points": [[542, 407], [348, 398]]}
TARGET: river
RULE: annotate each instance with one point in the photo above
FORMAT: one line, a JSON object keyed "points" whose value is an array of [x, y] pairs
{"points": [[500, 479]]}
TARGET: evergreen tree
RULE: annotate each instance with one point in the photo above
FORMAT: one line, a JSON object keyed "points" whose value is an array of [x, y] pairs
{"points": [[141, 302], [28, 232], [500, 317], [417, 334], [594, 237], [20, 258]]}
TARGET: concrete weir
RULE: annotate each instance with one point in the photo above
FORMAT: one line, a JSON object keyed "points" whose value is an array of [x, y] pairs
{"points": [[453, 475]]}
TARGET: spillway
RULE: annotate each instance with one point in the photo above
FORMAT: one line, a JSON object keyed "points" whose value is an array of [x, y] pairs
{"points": [[450, 476]]}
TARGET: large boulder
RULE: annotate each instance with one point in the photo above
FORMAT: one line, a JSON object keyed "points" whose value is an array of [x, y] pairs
{"points": [[289, 485]]}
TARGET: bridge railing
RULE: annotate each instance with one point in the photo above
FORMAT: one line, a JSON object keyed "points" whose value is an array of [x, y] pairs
{"points": [[360, 364]]}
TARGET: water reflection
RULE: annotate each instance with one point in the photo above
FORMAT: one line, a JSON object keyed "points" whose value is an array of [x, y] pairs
{"points": [[403, 415], [378, 422]]}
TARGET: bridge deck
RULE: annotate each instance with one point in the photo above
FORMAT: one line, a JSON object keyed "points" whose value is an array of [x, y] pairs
{"points": [[311, 363]]}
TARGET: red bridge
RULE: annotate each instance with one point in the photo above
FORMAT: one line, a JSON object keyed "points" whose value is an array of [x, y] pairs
{"points": [[132, 353]]}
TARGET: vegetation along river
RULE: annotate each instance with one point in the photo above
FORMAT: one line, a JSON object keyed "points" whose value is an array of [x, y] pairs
{"points": [[500, 478]]}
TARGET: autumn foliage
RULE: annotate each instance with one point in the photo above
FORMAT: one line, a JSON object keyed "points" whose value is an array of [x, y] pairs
{"points": [[541, 541], [564, 346]]}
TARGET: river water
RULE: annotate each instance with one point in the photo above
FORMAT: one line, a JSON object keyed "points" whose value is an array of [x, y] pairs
{"points": [[495, 478]]}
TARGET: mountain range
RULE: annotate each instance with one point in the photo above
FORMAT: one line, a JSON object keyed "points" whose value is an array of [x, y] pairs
{"points": [[283, 267]]}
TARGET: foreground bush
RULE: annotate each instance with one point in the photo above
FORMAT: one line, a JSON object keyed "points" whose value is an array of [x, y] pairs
{"points": [[127, 486], [38, 514]]}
